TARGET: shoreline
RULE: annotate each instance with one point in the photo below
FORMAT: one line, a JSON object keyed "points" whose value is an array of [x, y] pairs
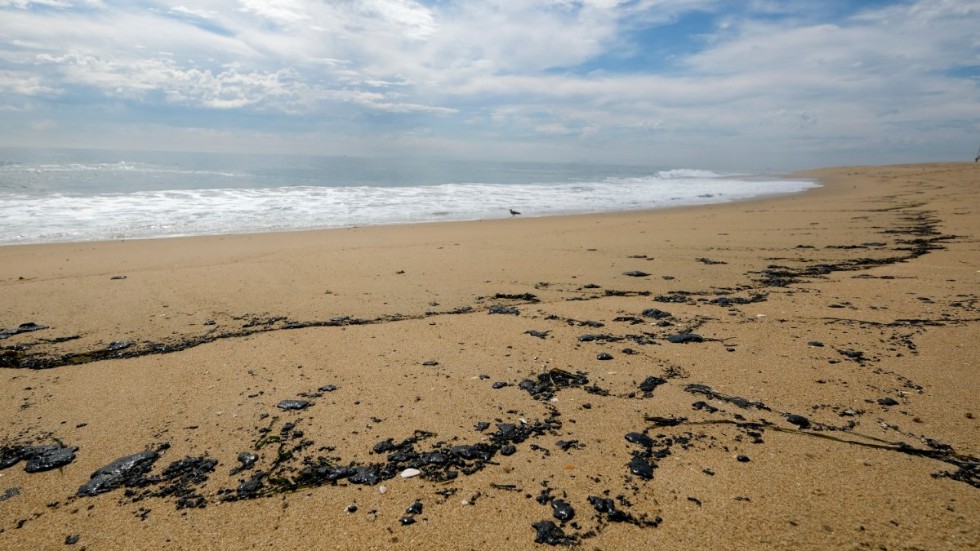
{"points": [[665, 206], [782, 372]]}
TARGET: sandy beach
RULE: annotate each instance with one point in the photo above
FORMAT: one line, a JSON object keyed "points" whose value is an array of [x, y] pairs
{"points": [[795, 372]]}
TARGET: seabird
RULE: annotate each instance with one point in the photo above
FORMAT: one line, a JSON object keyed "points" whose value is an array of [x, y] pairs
{"points": [[513, 212]]}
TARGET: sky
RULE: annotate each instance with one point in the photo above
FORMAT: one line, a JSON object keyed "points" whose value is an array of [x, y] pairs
{"points": [[718, 84]]}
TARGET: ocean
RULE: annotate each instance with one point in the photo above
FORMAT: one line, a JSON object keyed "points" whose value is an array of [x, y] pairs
{"points": [[49, 196]]}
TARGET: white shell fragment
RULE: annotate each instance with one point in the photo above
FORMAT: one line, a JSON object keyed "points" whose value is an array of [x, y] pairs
{"points": [[409, 473]]}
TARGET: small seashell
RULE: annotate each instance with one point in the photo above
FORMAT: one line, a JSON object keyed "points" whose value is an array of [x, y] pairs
{"points": [[383, 489], [409, 473]]}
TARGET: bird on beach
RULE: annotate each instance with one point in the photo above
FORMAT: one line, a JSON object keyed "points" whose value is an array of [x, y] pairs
{"points": [[513, 212]]}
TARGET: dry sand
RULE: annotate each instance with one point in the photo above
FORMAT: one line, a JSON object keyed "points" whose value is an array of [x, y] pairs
{"points": [[827, 305]]}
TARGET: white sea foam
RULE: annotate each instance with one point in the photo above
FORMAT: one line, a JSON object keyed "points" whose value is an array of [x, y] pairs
{"points": [[32, 218], [62, 195]]}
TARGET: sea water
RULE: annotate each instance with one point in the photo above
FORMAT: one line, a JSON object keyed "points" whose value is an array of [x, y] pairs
{"points": [[74, 195]]}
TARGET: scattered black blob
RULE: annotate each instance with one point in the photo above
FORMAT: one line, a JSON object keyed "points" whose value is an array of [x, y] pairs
{"points": [[327, 388], [430, 363], [179, 479], [639, 438], [548, 532], [617, 293], [482, 426], [38, 458], [710, 262], [636, 273], [45, 458], [684, 338], [498, 385], [441, 464], [732, 301], [675, 298], [9, 493], [407, 520], [651, 383], [500, 309], [853, 355], [538, 334], [632, 320], [251, 487], [755, 435], [597, 390], [694, 500], [287, 405], [705, 406], [590, 337], [368, 475], [565, 445], [656, 313], [415, 508], [118, 345], [72, 539], [246, 461], [740, 402], [387, 445], [22, 328], [641, 467], [351, 508], [548, 383], [118, 277], [666, 421], [817, 344], [529, 297], [799, 421], [10, 456], [123, 471], [607, 507], [887, 401], [604, 356], [743, 459], [562, 510]]}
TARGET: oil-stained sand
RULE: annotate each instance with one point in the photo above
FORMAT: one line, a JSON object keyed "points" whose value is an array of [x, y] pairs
{"points": [[797, 372]]}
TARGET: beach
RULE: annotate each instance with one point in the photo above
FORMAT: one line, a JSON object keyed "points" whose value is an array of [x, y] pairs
{"points": [[793, 372]]}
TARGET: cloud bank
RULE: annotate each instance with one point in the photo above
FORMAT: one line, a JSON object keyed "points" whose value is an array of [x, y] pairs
{"points": [[755, 85]]}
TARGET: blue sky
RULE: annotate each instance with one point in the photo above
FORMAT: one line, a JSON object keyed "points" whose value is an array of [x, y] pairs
{"points": [[753, 84]]}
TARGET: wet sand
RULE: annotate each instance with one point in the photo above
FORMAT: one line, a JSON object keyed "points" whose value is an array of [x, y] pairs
{"points": [[822, 392]]}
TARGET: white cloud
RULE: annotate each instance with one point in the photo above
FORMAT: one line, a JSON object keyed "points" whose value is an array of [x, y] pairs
{"points": [[510, 68], [202, 14], [411, 18], [282, 11], [13, 82], [27, 4]]}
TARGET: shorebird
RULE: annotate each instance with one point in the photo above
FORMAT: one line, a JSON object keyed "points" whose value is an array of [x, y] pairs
{"points": [[513, 212]]}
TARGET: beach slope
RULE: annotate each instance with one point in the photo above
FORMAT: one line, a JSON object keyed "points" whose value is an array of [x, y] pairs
{"points": [[796, 372]]}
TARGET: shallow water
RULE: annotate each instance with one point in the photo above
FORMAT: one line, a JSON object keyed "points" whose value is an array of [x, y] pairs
{"points": [[76, 195]]}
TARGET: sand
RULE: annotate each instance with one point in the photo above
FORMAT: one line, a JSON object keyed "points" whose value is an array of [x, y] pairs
{"points": [[831, 403]]}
